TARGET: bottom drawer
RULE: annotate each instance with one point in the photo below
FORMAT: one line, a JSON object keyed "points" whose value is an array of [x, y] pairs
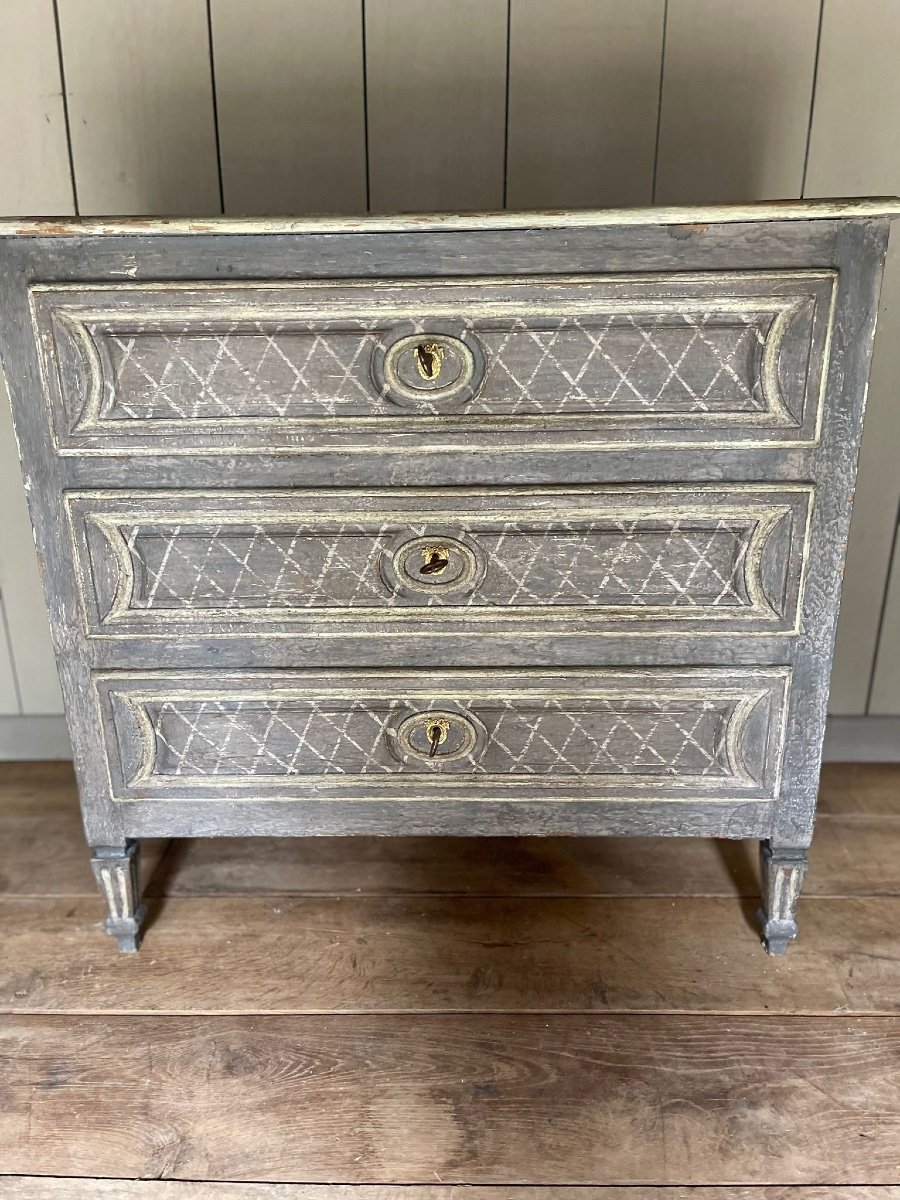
{"points": [[701, 735]]}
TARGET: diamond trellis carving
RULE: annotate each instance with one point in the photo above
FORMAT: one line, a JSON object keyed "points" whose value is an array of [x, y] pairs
{"points": [[644, 563], [187, 374], [251, 562], [675, 737], [727, 357], [689, 362], [685, 362], [340, 735]]}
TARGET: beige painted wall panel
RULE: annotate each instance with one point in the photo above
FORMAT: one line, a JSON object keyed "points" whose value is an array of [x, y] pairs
{"points": [[20, 584], [886, 682], [291, 105], [737, 86], [9, 700], [35, 179], [583, 102], [855, 150], [34, 155], [139, 88], [436, 86]]}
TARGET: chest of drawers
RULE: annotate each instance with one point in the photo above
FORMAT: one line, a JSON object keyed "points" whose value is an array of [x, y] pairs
{"points": [[490, 525]]}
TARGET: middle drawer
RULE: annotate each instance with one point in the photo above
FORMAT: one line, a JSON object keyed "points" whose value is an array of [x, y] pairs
{"points": [[394, 561]]}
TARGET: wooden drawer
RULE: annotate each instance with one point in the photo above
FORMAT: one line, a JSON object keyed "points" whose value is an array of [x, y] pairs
{"points": [[718, 359], [648, 560], [660, 734]]}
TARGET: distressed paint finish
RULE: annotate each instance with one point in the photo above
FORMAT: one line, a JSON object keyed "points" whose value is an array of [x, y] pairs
{"points": [[782, 870], [160, 370], [117, 871], [581, 736], [147, 511], [369, 562]]}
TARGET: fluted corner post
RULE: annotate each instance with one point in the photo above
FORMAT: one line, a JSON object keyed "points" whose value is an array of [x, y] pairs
{"points": [[116, 869], [782, 870]]}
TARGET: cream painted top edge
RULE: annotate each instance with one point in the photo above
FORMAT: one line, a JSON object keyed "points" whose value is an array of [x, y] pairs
{"points": [[779, 210]]}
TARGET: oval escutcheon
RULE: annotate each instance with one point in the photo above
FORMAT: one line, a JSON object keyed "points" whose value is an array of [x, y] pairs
{"points": [[433, 565], [433, 367], [436, 738]]}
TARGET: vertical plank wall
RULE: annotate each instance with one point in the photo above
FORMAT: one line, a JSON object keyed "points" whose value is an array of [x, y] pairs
{"points": [[290, 106], [35, 176]]}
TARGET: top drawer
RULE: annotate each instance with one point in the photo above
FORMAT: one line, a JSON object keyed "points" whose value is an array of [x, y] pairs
{"points": [[719, 360]]}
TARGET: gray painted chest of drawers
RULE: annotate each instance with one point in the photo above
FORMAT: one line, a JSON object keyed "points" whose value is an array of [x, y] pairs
{"points": [[489, 525]]}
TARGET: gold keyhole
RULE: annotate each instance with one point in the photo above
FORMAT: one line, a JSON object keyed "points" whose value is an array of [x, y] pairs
{"points": [[437, 734], [429, 356], [437, 560]]}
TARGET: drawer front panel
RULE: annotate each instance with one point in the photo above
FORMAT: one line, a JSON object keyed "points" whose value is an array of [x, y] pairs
{"points": [[646, 560], [578, 735], [718, 359]]}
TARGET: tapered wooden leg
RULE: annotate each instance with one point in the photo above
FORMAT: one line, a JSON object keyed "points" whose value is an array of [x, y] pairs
{"points": [[782, 870], [116, 872]]}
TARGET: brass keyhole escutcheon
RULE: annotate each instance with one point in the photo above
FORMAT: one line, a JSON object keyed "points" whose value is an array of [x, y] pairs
{"points": [[437, 560], [437, 739], [429, 356], [437, 733]]}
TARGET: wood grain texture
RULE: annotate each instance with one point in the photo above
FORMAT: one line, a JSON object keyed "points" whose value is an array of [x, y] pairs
{"points": [[581, 218], [34, 153], [450, 954], [637, 560], [857, 76], [583, 101], [736, 94], [40, 824], [574, 1099], [140, 106], [290, 104], [20, 1187], [436, 104], [724, 361], [861, 789], [875, 508], [885, 696], [518, 1098]]}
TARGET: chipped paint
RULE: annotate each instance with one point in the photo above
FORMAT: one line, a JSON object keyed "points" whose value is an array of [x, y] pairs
{"points": [[692, 218]]}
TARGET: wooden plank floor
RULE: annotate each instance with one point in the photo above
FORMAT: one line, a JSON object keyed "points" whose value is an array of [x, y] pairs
{"points": [[438, 1019]]}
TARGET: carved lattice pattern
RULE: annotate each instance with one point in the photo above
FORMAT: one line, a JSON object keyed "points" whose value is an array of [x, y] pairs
{"points": [[702, 361], [635, 562], [665, 737]]}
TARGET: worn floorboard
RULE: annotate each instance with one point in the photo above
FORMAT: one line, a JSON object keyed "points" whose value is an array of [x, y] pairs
{"points": [[498, 1099], [450, 954], [415, 1019], [33, 1188]]}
